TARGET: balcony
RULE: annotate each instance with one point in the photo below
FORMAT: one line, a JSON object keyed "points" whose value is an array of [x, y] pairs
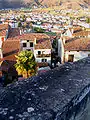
{"points": [[43, 55]]}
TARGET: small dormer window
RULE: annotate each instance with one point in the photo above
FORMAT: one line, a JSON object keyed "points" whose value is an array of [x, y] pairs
{"points": [[88, 55]]}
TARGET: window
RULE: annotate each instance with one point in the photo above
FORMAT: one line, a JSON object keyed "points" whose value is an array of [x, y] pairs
{"points": [[31, 44], [70, 58], [39, 52], [88, 55], [44, 60], [24, 44], [27, 40], [43, 52]]}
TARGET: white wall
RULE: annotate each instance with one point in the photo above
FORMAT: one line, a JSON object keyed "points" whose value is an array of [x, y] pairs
{"points": [[0, 42], [77, 55], [61, 49], [68, 33], [28, 45], [40, 59], [46, 51], [43, 51], [1, 52]]}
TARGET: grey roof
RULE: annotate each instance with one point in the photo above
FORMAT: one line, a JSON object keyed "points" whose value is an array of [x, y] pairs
{"points": [[41, 97]]}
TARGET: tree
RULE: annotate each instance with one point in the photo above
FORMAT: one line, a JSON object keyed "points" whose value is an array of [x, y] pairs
{"points": [[19, 24], [88, 20], [26, 65], [39, 30], [23, 18], [25, 25], [31, 25]]}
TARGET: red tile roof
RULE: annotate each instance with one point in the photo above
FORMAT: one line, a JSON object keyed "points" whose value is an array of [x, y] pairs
{"points": [[3, 29], [32, 36], [75, 29], [14, 33], [81, 33], [81, 44], [10, 49], [3, 33], [3, 26], [42, 40], [43, 44]]}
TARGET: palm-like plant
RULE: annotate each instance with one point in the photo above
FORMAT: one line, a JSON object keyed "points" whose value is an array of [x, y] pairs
{"points": [[26, 64]]}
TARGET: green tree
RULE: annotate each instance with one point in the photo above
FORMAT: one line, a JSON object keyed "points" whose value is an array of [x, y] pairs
{"points": [[23, 18], [39, 30], [31, 25], [88, 20], [26, 65], [25, 25], [19, 24]]}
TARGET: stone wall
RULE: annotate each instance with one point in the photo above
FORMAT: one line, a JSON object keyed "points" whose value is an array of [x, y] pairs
{"points": [[78, 108], [60, 94]]}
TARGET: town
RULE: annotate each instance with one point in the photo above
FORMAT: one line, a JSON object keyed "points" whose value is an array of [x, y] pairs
{"points": [[44, 59], [54, 38]]}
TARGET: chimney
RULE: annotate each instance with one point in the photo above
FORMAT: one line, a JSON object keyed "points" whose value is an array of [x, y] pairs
{"points": [[20, 32], [63, 39], [72, 30], [1, 53], [1, 44], [35, 41]]}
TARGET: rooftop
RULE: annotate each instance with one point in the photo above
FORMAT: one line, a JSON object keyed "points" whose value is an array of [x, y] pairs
{"points": [[3, 29], [81, 44]]}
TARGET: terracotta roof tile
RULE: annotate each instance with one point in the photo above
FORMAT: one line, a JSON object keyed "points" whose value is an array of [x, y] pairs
{"points": [[3, 26], [81, 33], [3, 29], [75, 29], [80, 44], [10, 48], [42, 40], [14, 32], [32, 36], [43, 44]]}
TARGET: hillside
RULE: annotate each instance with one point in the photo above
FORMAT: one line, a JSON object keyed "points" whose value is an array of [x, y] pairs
{"points": [[61, 3], [46, 3]]}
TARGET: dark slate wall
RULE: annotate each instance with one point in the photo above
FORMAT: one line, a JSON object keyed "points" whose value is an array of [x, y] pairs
{"points": [[60, 94], [78, 108]]}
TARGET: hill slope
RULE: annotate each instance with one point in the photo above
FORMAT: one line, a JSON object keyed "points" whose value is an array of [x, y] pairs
{"points": [[47, 3]]}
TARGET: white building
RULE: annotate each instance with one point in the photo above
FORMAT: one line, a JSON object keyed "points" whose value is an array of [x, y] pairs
{"points": [[74, 48], [40, 44]]}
